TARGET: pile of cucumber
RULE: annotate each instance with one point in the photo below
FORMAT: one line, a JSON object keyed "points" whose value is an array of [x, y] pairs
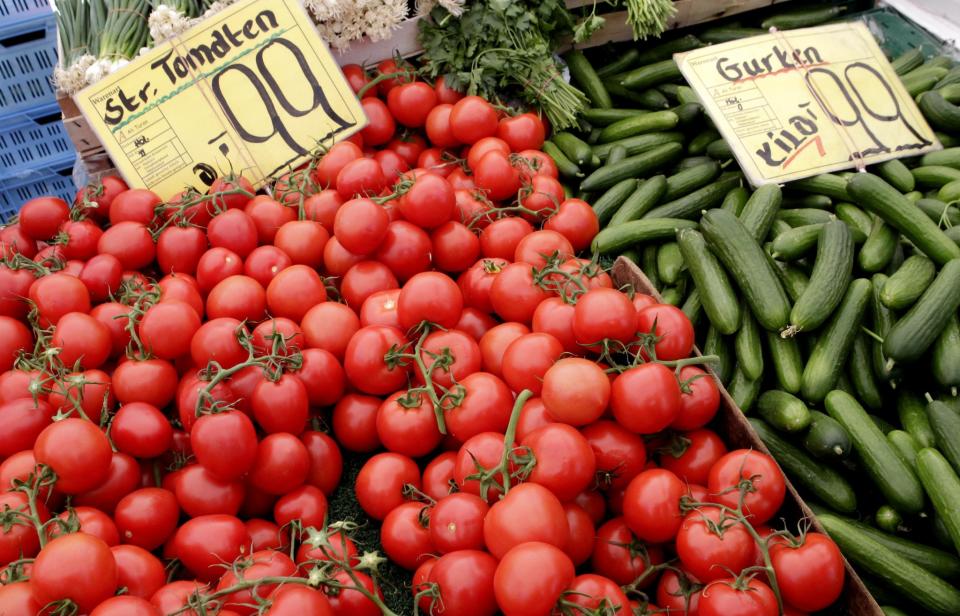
{"points": [[832, 302]]}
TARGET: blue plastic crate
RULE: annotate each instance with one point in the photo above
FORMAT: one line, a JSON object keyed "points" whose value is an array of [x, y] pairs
{"points": [[32, 139], [19, 15], [55, 179], [26, 68]]}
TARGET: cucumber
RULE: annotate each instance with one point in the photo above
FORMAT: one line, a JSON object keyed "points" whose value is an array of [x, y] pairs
{"points": [[787, 361], [821, 202], [897, 175], [954, 234], [648, 263], [801, 18], [906, 446], [860, 369], [744, 391], [648, 99], [833, 345], [725, 34], [565, 166], [672, 295], [941, 114], [662, 51], [640, 200], [913, 334], [617, 154], [908, 283], [920, 83], [827, 439], [606, 117], [935, 175], [894, 570], [638, 144], [882, 319], [888, 519], [793, 278], [735, 200], [896, 481], [649, 75], [783, 411], [719, 149], [698, 145], [817, 478], [885, 426], [714, 344], [949, 193], [943, 488], [632, 167], [950, 157], [827, 184], [619, 238], [669, 263], [747, 346], [907, 61], [743, 257], [608, 203], [799, 217], [798, 241], [690, 205], [913, 417], [652, 122], [692, 306], [693, 161], [574, 148], [584, 76], [945, 423], [940, 212], [860, 222], [685, 182], [716, 293], [777, 228], [627, 60], [886, 202], [761, 209], [946, 356], [831, 274], [592, 137], [879, 247], [889, 610]]}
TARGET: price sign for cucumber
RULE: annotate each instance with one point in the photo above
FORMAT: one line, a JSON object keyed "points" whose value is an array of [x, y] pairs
{"points": [[802, 102], [251, 90]]}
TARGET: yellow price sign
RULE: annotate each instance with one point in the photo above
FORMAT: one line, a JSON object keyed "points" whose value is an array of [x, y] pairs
{"points": [[802, 102], [253, 90]]}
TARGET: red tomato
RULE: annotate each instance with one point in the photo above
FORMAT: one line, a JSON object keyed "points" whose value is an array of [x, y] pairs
{"points": [[691, 455], [355, 422], [514, 293], [529, 512], [546, 572], [679, 592], [225, 444], [465, 583], [700, 399], [455, 247], [147, 517], [429, 296], [298, 600], [332, 162], [56, 295], [405, 249], [380, 124], [620, 454], [364, 361], [77, 451], [484, 449], [438, 128], [565, 461], [542, 196], [620, 556], [380, 308], [475, 323], [527, 359], [179, 249], [15, 337], [429, 202], [456, 523], [329, 326], [40, 218], [575, 220], [672, 327], [282, 464], [362, 177], [326, 461], [604, 313], [234, 230], [534, 162], [651, 505], [348, 601], [485, 406], [167, 328], [540, 246], [380, 483], [231, 183], [281, 405], [712, 545], [217, 264], [360, 226], [760, 502], [130, 242], [322, 376], [446, 94], [494, 343], [263, 564], [728, 597], [122, 478], [575, 391], [77, 566], [653, 412], [476, 282], [14, 286], [141, 430], [200, 492], [322, 207], [533, 415], [488, 144], [204, 543], [522, 132], [496, 175], [153, 381], [306, 503], [81, 239], [135, 204], [264, 263], [268, 216], [410, 103], [126, 606], [19, 540], [472, 119], [405, 536], [810, 573], [592, 591], [294, 291], [473, 209], [17, 599], [356, 76], [500, 238], [406, 424]]}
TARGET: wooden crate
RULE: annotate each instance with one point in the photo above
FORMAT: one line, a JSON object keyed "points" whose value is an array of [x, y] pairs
{"points": [[736, 431]]}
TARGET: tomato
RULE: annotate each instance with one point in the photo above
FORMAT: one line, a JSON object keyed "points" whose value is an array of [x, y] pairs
{"points": [[576, 221], [620, 556], [472, 208], [141, 430], [40, 218], [651, 505], [200, 492], [410, 103], [337, 259], [484, 450], [326, 461], [439, 129], [173, 596], [472, 119], [429, 296], [345, 600], [123, 477], [19, 540], [356, 76], [259, 565], [620, 454], [332, 163], [380, 308], [691, 455], [234, 230], [364, 361], [217, 264], [380, 124], [532, 163], [456, 523], [762, 500], [264, 263], [679, 592], [231, 183], [167, 327], [14, 286], [712, 545], [279, 335], [17, 600], [329, 326], [446, 94], [130, 242], [379, 485], [77, 566], [355, 422], [81, 239], [153, 381], [360, 226], [545, 572], [499, 240], [485, 406], [592, 591], [298, 600], [362, 177], [540, 246], [406, 424], [77, 451], [429, 202], [522, 132], [294, 291], [225, 444], [476, 282], [322, 376], [147, 517], [135, 204], [126, 606], [496, 175], [405, 536], [56, 295], [179, 249], [576, 391], [465, 583], [405, 250], [542, 197], [475, 323], [700, 399], [281, 405], [455, 247], [672, 327], [487, 144], [16, 338], [515, 294], [268, 216], [494, 343], [322, 207], [653, 412], [604, 313], [203, 543], [728, 597], [565, 461], [527, 359], [529, 512], [306, 503], [810, 572], [449, 357]]}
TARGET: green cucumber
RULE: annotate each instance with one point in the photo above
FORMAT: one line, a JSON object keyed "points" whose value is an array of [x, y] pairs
{"points": [[684, 182], [913, 417], [714, 344], [617, 154], [897, 175], [945, 423], [662, 51], [606, 117], [827, 184], [743, 257], [793, 278], [815, 477], [833, 345], [882, 319], [693, 161], [647, 99], [949, 193], [777, 228], [783, 411], [908, 283], [860, 222], [796, 243], [639, 144], [648, 263], [799, 217], [743, 390], [652, 122], [640, 200], [747, 346], [878, 249], [945, 364], [669, 263], [619, 238], [690, 205], [941, 114], [913, 334], [943, 488], [950, 157], [896, 481], [609, 202], [672, 295], [907, 61], [886, 202], [584, 76], [888, 519], [649, 75], [632, 167], [787, 361], [906, 446], [692, 306], [881, 423], [827, 439], [954, 234], [761, 209], [801, 18], [565, 166], [831, 274], [698, 145], [940, 212], [860, 370], [921, 83], [935, 175], [716, 293], [725, 34], [574, 148], [627, 60], [735, 200], [719, 149], [821, 202]]}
